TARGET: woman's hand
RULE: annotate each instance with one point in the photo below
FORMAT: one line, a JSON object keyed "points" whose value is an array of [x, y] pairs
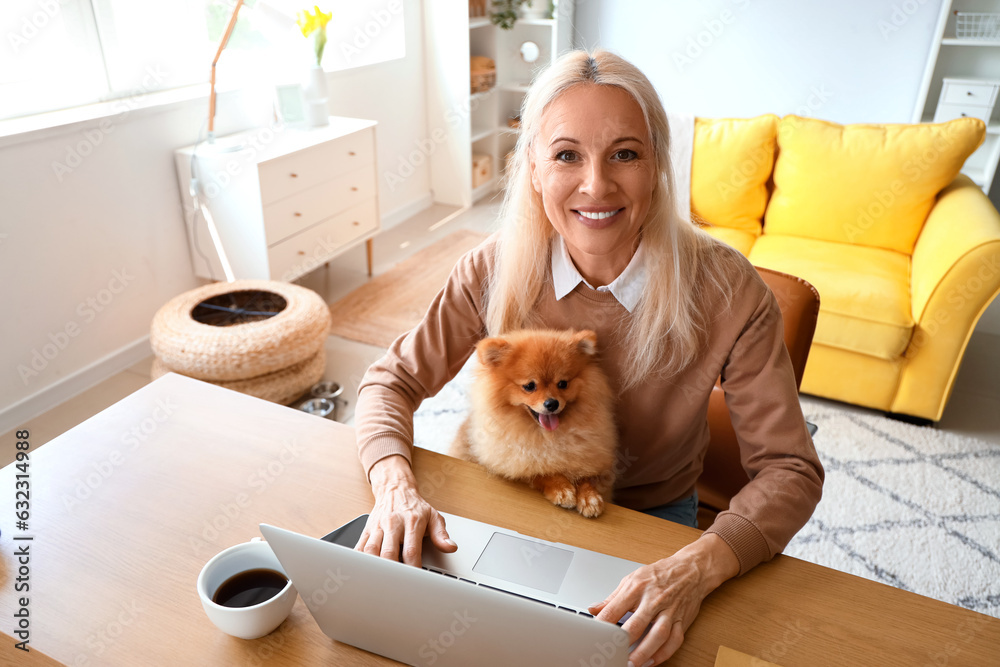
{"points": [[665, 597], [400, 515]]}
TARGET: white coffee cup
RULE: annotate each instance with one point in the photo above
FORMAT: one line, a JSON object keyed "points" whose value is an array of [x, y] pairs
{"points": [[244, 622]]}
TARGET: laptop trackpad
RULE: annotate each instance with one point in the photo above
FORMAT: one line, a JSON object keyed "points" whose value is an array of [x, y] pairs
{"points": [[524, 562]]}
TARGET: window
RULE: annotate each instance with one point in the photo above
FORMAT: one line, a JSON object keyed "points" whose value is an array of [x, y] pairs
{"points": [[64, 53]]}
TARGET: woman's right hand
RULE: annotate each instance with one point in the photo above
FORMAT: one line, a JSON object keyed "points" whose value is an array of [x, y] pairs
{"points": [[400, 516]]}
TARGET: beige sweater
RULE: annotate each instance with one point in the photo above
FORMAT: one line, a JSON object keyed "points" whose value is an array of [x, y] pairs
{"points": [[662, 423]]}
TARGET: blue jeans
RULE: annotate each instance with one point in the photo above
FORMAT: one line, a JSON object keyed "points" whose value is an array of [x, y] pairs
{"points": [[683, 511]]}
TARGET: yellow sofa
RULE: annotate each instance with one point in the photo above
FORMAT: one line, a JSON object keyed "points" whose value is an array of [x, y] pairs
{"points": [[903, 249]]}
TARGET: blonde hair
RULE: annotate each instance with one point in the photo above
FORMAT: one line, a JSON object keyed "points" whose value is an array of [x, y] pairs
{"points": [[667, 328]]}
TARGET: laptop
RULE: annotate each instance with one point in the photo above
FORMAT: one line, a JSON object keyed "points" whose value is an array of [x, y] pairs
{"points": [[502, 599]]}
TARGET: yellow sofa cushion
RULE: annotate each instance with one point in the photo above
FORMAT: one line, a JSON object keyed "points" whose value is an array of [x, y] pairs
{"points": [[737, 238], [869, 185], [864, 292], [731, 164]]}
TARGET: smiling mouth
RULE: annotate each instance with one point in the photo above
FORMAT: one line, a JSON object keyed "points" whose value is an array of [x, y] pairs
{"points": [[547, 421], [598, 215]]}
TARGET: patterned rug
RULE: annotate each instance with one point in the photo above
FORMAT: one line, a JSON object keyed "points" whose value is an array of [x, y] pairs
{"points": [[912, 507], [908, 506]]}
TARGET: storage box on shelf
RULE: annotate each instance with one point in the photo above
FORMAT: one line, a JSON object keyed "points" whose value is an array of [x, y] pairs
{"points": [[285, 201], [483, 74], [482, 170]]}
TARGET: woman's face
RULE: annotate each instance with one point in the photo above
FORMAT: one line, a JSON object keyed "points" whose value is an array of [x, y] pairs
{"points": [[593, 165]]}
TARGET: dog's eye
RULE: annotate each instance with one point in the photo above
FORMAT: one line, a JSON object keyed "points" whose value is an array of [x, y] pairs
{"points": [[530, 387], [562, 384]]}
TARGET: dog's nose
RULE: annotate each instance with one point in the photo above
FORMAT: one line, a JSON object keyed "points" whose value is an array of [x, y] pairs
{"points": [[551, 404]]}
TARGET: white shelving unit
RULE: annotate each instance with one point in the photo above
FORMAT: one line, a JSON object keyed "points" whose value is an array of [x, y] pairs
{"points": [[469, 123], [972, 61]]}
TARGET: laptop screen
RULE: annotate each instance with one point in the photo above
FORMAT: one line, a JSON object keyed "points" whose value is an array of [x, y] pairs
{"points": [[524, 562]]}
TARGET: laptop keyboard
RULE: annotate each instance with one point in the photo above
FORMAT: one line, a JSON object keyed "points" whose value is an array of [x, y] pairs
{"points": [[624, 618]]}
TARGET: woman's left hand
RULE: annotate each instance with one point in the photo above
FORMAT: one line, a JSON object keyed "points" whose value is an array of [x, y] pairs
{"points": [[666, 596]]}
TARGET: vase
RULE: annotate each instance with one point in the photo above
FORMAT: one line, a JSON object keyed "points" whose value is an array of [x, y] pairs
{"points": [[317, 111]]}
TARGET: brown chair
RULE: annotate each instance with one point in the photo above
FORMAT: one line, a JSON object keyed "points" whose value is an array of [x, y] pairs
{"points": [[723, 474]]}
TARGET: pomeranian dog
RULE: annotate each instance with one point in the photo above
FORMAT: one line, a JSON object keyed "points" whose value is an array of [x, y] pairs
{"points": [[542, 413]]}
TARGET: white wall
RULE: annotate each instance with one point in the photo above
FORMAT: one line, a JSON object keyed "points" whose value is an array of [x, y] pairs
{"points": [[747, 57], [87, 257], [854, 61]]}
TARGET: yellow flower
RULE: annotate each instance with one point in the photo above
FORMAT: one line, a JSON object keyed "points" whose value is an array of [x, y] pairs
{"points": [[322, 18], [310, 22]]}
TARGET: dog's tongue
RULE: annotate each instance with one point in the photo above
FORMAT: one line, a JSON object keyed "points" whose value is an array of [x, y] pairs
{"points": [[549, 422]]}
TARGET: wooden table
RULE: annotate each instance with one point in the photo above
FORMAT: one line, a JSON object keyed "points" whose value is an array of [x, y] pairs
{"points": [[128, 506]]}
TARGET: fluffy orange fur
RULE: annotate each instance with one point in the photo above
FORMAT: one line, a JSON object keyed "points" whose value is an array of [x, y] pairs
{"points": [[542, 413]]}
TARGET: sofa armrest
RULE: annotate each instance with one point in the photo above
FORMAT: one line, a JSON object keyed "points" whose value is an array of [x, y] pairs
{"points": [[959, 243], [955, 276]]}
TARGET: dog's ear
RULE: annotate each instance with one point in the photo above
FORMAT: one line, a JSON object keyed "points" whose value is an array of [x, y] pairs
{"points": [[492, 351], [586, 342]]}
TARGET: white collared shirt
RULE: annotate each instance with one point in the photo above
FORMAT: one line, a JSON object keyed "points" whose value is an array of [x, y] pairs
{"points": [[626, 288]]}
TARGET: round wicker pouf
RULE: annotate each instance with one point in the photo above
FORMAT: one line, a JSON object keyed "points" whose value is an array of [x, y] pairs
{"points": [[242, 330], [282, 386]]}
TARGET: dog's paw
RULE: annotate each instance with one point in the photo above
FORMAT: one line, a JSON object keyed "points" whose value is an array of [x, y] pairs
{"points": [[563, 496], [589, 502], [557, 489]]}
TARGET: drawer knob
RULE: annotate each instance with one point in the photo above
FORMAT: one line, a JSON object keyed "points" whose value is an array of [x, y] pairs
{"points": [[355, 223], [968, 92], [302, 252], [298, 215], [294, 175], [353, 189], [351, 153], [963, 114]]}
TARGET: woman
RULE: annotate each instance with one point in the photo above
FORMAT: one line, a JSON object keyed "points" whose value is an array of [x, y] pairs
{"points": [[590, 239]]}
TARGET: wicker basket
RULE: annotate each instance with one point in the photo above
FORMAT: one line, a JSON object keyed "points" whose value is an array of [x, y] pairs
{"points": [[484, 73], [284, 386], [240, 351], [977, 25]]}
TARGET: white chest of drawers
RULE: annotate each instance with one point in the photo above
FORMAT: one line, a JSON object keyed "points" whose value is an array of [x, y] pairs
{"points": [[966, 98], [285, 201]]}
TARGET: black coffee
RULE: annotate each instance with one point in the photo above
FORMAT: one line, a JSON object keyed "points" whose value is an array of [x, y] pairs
{"points": [[250, 587]]}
